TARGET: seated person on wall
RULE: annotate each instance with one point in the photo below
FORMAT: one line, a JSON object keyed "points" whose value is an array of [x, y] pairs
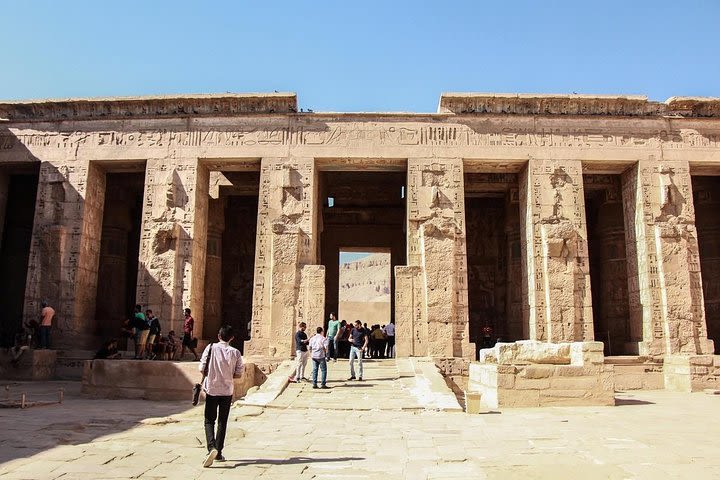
{"points": [[32, 329], [172, 345], [108, 351], [19, 349]]}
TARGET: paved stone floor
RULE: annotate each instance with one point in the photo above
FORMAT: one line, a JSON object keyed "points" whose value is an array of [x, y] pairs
{"points": [[649, 435]]}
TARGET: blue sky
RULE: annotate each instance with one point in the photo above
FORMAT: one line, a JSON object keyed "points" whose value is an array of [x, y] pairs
{"points": [[364, 55]]}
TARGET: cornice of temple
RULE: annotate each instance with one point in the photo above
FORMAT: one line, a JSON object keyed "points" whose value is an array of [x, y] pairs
{"points": [[227, 104], [574, 104], [243, 104]]}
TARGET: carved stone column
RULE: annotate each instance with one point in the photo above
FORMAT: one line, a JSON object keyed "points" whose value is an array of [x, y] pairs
{"points": [[555, 255], [173, 243], [513, 297], [213, 269], [665, 288], [4, 190], [65, 250], [287, 281], [438, 316]]}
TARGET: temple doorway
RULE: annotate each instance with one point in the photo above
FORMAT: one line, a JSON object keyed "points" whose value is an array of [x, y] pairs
{"points": [[494, 264], [608, 264], [18, 208], [119, 251], [706, 198], [363, 212], [230, 261]]}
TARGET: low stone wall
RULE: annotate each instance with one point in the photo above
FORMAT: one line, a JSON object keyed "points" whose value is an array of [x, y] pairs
{"points": [[634, 372], [691, 373], [152, 380], [538, 374], [31, 365]]}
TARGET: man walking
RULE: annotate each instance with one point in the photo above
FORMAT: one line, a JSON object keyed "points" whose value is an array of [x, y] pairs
{"points": [[301, 353], [332, 330], [318, 347], [46, 316], [154, 324], [187, 339], [225, 363], [358, 343]]}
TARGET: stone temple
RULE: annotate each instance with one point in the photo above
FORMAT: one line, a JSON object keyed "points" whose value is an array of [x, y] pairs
{"points": [[582, 230]]}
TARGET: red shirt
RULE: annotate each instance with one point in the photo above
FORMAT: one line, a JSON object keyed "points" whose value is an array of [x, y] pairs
{"points": [[188, 325]]}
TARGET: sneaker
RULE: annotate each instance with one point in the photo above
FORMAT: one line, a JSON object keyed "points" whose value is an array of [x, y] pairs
{"points": [[351, 378], [359, 379], [335, 360], [315, 385], [211, 456], [325, 386], [219, 458]]}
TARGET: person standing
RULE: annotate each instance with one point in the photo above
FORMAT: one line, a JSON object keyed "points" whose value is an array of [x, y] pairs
{"points": [[301, 353], [390, 334], [332, 330], [358, 343], [142, 330], [154, 324], [318, 346], [225, 363], [46, 317], [187, 339]]}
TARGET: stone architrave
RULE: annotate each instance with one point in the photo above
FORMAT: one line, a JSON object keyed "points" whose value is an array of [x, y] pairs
{"points": [[555, 256], [286, 243], [436, 243], [65, 250], [173, 243], [664, 283]]}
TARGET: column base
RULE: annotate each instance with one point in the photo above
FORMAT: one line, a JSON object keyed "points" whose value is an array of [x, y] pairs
{"points": [[691, 373], [539, 374]]}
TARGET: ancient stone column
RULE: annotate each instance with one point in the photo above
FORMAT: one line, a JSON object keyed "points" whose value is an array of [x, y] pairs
{"points": [[558, 304], [664, 285], [213, 318], [437, 318], [514, 279], [286, 252], [65, 250], [4, 191], [171, 275]]}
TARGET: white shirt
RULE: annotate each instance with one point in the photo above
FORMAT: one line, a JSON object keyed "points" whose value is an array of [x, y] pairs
{"points": [[225, 364], [390, 329], [317, 345]]}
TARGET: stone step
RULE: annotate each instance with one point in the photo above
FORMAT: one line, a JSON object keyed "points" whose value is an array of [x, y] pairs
{"points": [[387, 385]]}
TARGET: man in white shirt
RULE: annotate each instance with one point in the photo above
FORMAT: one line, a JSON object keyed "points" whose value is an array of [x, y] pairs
{"points": [[225, 364], [318, 346], [390, 333]]}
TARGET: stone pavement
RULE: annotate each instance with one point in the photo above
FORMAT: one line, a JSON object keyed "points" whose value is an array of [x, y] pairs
{"points": [[649, 435]]}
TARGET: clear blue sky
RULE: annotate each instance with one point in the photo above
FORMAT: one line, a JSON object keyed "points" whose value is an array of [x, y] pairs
{"points": [[364, 55]]}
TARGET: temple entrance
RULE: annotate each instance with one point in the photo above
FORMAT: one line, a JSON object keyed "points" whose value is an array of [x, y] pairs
{"points": [[365, 280], [17, 205], [362, 212], [608, 264], [119, 251], [706, 197], [494, 267], [232, 225]]}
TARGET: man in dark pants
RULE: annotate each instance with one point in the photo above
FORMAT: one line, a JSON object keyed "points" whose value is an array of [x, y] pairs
{"points": [[225, 364]]}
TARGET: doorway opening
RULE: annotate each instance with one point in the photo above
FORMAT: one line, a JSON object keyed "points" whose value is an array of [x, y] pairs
{"points": [[365, 280], [18, 207], [494, 262], [608, 264], [230, 263], [706, 197], [363, 213], [119, 251]]}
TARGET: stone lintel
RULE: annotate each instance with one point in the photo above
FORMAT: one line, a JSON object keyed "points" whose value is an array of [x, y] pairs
{"points": [[573, 104], [227, 104]]}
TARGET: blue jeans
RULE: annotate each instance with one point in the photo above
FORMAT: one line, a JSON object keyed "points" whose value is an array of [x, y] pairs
{"points": [[332, 351], [355, 352], [44, 335], [322, 364]]}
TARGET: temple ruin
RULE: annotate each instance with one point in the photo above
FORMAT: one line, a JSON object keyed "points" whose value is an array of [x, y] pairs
{"points": [[579, 229]]}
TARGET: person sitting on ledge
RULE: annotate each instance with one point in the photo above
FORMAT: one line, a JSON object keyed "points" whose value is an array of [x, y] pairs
{"points": [[108, 351]]}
